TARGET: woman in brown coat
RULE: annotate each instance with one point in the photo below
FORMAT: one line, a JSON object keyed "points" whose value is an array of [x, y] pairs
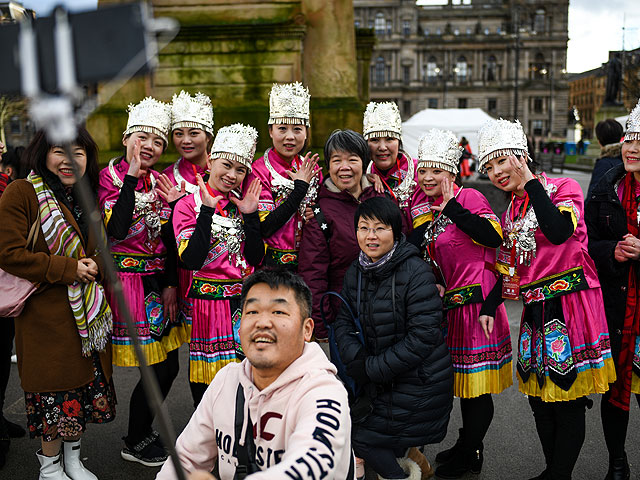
{"points": [[62, 335]]}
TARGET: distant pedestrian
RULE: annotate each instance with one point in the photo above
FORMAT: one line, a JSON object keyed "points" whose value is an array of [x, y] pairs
{"points": [[564, 352], [465, 169], [609, 133]]}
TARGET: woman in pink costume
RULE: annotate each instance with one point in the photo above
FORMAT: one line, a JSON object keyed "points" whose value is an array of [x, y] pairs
{"points": [[459, 233], [134, 216], [289, 183], [564, 353], [218, 237], [192, 135], [393, 170]]}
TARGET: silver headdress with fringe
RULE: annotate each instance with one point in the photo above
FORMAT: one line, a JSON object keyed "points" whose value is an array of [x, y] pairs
{"points": [[633, 124], [439, 149], [236, 142], [498, 138], [150, 116], [192, 112], [382, 119], [289, 104]]}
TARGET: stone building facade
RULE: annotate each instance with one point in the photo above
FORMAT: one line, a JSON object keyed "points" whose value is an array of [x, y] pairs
{"points": [[463, 54]]}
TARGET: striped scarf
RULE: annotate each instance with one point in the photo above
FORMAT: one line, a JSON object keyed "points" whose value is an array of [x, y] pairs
{"points": [[88, 302]]}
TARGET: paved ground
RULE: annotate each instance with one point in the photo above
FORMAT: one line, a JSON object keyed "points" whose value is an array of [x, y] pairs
{"points": [[512, 450]]}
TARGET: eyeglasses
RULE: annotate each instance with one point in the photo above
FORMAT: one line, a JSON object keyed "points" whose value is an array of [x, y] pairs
{"points": [[377, 231]]}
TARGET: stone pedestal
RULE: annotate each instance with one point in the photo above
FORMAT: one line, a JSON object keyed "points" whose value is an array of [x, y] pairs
{"points": [[609, 111]]}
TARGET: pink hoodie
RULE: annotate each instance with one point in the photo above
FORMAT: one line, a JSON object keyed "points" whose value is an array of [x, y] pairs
{"points": [[304, 430]]}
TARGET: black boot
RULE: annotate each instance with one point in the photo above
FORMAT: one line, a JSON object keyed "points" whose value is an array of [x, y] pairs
{"points": [[461, 463], [445, 456], [618, 469]]}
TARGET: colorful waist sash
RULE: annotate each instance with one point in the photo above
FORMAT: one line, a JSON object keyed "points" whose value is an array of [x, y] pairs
{"points": [[214, 289], [553, 286], [276, 256], [461, 296], [138, 262]]}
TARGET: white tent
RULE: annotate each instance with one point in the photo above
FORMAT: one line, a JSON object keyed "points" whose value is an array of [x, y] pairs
{"points": [[464, 122]]}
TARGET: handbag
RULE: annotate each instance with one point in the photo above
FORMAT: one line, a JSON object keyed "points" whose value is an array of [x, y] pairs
{"points": [[14, 291]]}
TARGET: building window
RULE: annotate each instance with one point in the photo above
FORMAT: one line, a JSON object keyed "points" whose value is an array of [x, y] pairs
{"points": [[539, 68], [380, 71], [370, 25], [357, 23], [539, 21], [426, 32], [461, 69], [462, 103], [469, 30], [381, 24], [14, 125], [537, 104], [491, 68], [438, 31], [406, 28], [487, 31], [432, 70], [456, 31], [536, 127], [433, 103], [406, 75], [406, 107], [492, 105]]}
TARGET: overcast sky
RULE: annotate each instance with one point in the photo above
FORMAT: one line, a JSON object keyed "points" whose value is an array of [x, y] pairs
{"points": [[595, 27]]}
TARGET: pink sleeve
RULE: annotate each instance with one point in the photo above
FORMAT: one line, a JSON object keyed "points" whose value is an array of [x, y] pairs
{"points": [[107, 192], [266, 201], [184, 219], [569, 196]]}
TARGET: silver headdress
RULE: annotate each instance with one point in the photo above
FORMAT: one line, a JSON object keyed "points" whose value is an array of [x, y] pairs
{"points": [[289, 103], [439, 149], [382, 120], [236, 142], [633, 124], [150, 116], [192, 112], [498, 138]]}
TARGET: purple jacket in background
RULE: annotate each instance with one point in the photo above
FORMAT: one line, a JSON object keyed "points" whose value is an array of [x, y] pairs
{"points": [[322, 266]]}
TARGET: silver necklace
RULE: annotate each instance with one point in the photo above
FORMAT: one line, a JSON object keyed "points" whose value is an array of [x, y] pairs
{"points": [[406, 187], [147, 204], [189, 187], [227, 230]]}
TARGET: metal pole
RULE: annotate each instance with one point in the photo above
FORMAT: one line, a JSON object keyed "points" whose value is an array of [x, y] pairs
{"points": [[517, 62]]}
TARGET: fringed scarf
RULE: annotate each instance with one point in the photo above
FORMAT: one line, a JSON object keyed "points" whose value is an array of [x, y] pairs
{"points": [[87, 300], [621, 390]]}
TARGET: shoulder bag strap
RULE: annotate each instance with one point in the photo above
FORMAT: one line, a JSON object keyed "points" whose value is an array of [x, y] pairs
{"points": [[32, 237], [322, 222], [244, 453]]}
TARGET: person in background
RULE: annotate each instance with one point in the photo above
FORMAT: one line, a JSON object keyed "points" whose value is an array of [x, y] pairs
{"points": [[403, 366], [290, 182], [465, 169], [392, 169], [564, 352], [609, 133], [138, 227], [614, 243], [192, 135], [63, 333]]}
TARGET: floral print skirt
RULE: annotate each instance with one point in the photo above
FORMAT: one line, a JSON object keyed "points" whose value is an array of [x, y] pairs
{"points": [[65, 414]]}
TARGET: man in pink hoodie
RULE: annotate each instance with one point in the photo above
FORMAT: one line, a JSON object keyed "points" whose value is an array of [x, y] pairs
{"points": [[298, 409]]}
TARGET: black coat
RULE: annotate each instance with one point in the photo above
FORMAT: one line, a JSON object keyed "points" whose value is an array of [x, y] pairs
{"points": [[606, 225], [407, 359]]}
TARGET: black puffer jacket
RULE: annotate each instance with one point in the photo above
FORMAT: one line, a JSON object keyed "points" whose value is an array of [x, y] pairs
{"points": [[407, 359], [606, 225]]}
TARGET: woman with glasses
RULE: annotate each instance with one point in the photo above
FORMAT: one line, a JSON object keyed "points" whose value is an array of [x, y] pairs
{"points": [[403, 368]]}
